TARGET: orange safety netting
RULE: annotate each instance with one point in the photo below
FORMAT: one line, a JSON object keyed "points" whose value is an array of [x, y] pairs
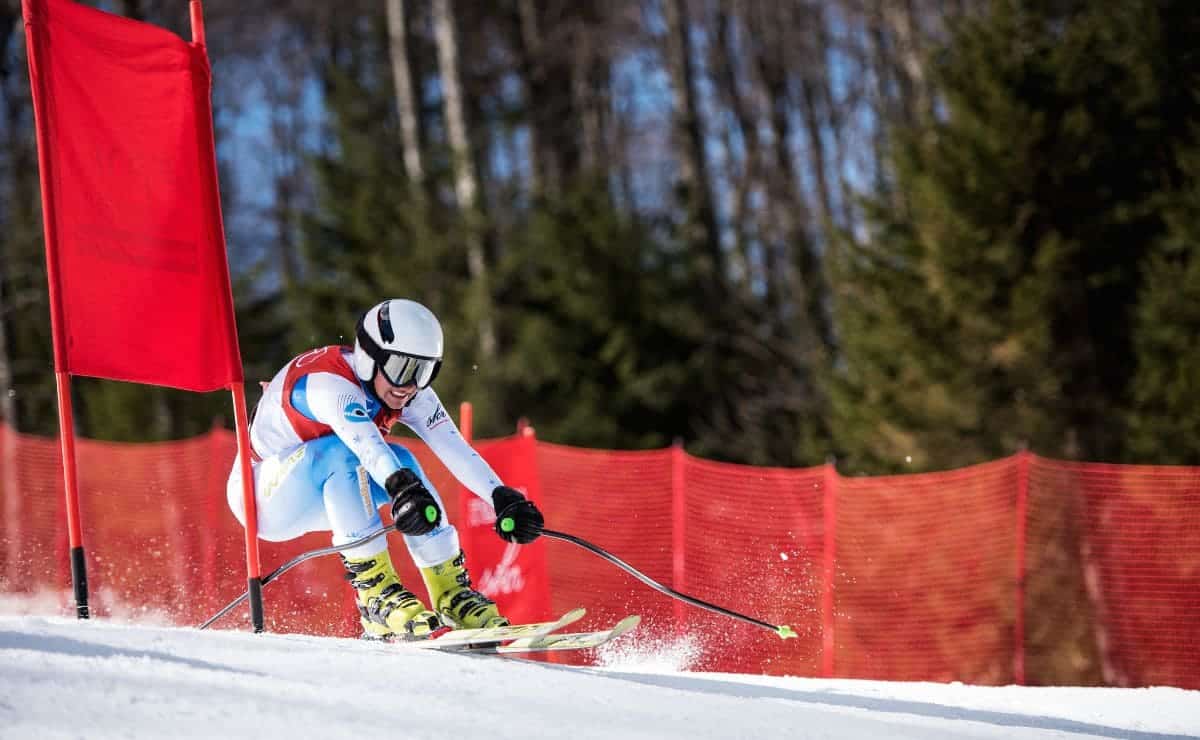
{"points": [[938, 576], [925, 575], [160, 541], [1138, 537]]}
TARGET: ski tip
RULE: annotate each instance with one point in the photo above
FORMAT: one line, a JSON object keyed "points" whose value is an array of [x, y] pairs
{"points": [[785, 632], [626, 625]]}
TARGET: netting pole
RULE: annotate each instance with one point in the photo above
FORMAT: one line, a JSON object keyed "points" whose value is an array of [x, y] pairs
{"points": [[466, 421], [1023, 461], [829, 567], [196, 15], [678, 524]]}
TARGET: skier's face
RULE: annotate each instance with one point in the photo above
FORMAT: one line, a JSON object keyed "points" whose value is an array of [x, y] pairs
{"points": [[393, 396]]}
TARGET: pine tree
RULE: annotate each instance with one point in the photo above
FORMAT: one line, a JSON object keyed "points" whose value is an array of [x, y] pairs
{"points": [[1164, 424], [997, 306], [603, 339]]}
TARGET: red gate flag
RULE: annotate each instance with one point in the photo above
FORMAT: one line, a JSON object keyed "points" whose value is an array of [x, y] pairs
{"points": [[135, 245]]}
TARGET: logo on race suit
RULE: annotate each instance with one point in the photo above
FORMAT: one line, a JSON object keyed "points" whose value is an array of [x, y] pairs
{"points": [[364, 490], [506, 577], [437, 419], [355, 411], [276, 470], [311, 356]]}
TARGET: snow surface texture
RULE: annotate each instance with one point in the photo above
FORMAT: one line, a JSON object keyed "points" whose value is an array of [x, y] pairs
{"points": [[60, 678]]}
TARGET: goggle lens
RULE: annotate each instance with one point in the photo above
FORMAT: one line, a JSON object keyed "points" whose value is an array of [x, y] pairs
{"points": [[405, 370]]}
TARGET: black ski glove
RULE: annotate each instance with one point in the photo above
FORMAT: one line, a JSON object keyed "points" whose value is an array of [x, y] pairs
{"points": [[517, 519], [414, 509]]}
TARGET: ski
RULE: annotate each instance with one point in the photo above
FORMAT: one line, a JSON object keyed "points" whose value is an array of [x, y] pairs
{"points": [[551, 642], [490, 636]]}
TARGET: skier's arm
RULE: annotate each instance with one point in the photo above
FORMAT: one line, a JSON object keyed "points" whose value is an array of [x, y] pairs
{"points": [[426, 416], [517, 518], [334, 400]]}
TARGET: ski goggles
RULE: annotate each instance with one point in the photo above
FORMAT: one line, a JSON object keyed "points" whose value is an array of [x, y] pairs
{"points": [[399, 368]]}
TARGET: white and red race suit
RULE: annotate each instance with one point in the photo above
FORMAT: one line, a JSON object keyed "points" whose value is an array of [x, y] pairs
{"points": [[320, 458]]}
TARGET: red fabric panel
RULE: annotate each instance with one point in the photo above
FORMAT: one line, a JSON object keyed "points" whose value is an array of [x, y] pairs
{"points": [[133, 226], [513, 575]]}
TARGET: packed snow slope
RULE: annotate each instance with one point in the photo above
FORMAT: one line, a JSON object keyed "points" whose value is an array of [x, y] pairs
{"points": [[61, 678]]}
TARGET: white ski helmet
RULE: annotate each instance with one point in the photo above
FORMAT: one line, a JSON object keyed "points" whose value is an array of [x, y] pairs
{"points": [[400, 338]]}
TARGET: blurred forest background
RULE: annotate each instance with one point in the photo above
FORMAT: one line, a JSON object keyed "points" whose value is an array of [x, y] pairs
{"points": [[910, 234]]}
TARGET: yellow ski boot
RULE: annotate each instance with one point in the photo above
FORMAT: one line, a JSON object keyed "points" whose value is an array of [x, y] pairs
{"points": [[386, 608], [453, 598]]}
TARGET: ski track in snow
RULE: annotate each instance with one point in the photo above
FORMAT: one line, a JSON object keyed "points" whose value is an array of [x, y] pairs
{"points": [[60, 678]]}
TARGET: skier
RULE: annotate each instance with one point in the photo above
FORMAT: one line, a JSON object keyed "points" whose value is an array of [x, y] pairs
{"points": [[321, 463]]}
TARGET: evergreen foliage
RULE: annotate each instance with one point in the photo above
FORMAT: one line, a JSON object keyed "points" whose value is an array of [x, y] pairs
{"points": [[1023, 273], [27, 309], [1164, 420], [603, 337], [996, 305]]}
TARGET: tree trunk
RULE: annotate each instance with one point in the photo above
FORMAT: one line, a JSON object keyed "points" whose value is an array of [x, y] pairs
{"points": [[589, 91], [787, 194], [543, 167], [406, 106], [689, 140], [284, 162], [836, 107], [813, 125], [883, 68], [899, 17], [466, 185], [724, 56]]}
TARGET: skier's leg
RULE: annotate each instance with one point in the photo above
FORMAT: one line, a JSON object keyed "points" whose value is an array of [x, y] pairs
{"points": [[437, 546], [318, 486], [286, 502], [386, 608], [443, 565], [321, 487]]}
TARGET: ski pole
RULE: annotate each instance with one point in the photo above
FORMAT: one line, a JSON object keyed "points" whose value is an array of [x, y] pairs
{"points": [[294, 562], [782, 630]]}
